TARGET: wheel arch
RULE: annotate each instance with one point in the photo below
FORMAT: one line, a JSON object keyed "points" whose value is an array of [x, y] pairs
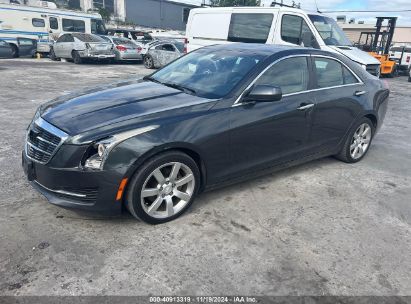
{"points": [[373, 118], [186, 148]]}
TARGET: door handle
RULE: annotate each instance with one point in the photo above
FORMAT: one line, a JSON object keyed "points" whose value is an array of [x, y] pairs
{"points": [[359, 93], [304, 106]]}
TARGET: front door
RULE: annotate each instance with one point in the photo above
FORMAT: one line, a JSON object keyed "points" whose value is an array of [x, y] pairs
{"points": [[272, 132]]}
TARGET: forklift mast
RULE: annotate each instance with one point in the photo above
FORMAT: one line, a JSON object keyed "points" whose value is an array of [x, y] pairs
{"points": [[385, 37]]}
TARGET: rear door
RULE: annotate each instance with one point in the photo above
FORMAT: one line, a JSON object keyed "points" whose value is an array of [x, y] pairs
{"points": [[337, 104], [27, 47]]}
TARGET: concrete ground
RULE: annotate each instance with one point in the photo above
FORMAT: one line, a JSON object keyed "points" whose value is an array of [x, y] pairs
{"points": [[323, 228]]}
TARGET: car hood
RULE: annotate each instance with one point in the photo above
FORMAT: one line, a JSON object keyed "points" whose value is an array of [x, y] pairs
{"points": [[96, 108], [355, 54]]}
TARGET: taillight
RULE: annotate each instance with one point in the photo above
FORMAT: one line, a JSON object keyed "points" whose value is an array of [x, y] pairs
{"points": [[185, 45], [121, 48], [139, 49], [408, 59]]}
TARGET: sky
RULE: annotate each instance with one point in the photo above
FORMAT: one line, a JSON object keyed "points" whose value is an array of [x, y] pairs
{"points": [[404, 18]]}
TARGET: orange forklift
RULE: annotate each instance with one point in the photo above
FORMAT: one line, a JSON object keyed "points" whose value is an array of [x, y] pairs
{"points": [[378, 44]]}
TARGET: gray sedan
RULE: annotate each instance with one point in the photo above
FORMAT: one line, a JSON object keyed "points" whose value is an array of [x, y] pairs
{"points": [[79, 46], [160, 53], [125, 49]]}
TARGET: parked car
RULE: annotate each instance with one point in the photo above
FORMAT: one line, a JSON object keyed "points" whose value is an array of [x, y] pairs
{"points": [[6, 51], [217, 115], [125, 49], [159, 54], [24, 47], [80, 46], [409, 74], [401, 53], [137, 36]]}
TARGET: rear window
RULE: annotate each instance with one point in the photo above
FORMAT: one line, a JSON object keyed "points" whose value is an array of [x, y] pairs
{"points": [[250, 28], [122, 41], [88, 38]]}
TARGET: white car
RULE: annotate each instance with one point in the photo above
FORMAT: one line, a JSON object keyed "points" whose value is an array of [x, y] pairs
{"points": [[402, 55], [80, 46]]}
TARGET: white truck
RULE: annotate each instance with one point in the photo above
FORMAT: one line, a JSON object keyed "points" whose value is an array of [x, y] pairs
{"points": [[272, 25], [401, 53], [44, 24]]}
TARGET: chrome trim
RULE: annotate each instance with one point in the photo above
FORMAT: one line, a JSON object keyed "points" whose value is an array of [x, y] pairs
{"points": [[46, 141], [302, 108], [62, 191], [360, 82], [40, 122], [359, 93], [38, 149]]}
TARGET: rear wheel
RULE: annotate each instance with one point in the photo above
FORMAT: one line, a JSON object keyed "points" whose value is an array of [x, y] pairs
{"points": [[76, 57], [163, 188], [357, 142], [14, 51], [148, 62], [53, 55]]}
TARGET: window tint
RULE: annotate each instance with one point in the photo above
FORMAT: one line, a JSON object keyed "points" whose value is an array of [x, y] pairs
{"points": [[329, 72], [3, 43], [168, 47], [186, 13], [54, 24], [70, 25], [38, 22], [98, 27], [348, 76], [251, 28], [26, 41], [293, 29], [291, 75]]}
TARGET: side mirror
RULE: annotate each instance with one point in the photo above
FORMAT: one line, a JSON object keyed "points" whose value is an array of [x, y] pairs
{"points": [[309, 40], [264, 93]]}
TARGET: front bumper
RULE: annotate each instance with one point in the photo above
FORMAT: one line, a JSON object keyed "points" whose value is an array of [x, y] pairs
{"points": [[74, 188]]}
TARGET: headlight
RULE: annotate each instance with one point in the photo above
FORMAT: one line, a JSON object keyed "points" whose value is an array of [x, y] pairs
{"points": [[99, 151]]}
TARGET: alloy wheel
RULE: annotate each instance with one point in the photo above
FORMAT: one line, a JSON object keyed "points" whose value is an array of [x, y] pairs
{"points": [[360, 141], [167, 190]]}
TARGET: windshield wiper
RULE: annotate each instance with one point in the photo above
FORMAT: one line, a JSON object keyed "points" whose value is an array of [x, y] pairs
{"points": [[179, 87]]}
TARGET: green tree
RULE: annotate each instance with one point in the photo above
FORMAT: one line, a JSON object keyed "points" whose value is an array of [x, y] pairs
{"points": [[235, 2], [105, 14]]}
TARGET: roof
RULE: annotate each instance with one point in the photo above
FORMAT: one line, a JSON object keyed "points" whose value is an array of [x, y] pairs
{"points": [[178, 3], [258, 8]]}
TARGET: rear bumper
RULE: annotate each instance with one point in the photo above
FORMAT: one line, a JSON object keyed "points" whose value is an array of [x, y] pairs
{"points": [[125, 56], [73, 188]]}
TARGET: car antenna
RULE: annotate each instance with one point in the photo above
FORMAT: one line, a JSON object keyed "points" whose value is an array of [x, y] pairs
{"points": [[316, 6]]}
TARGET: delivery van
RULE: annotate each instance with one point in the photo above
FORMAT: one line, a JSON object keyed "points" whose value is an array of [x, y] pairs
{"points": [[272, 25]]}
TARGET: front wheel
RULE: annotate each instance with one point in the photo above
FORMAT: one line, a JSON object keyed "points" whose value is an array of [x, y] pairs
{"points": [[163, 188], [357, 142]]}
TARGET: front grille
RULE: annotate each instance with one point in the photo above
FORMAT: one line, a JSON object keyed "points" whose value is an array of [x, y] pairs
{"points": [[373, 69], [42, 141]]}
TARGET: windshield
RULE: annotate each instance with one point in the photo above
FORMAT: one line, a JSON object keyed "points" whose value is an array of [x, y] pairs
{"points": [[329, 30], [206, 73]]}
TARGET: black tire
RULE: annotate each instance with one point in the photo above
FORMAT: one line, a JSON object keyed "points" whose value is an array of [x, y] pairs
{"points": [[409, 78], [133, 197], [345, 152], [53, 55], [14, 51], [76, 57], [148, 62]]}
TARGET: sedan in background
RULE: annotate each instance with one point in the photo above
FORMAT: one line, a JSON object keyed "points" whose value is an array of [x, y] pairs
{"points": [[218, 115], [6, 51], [125, 49], [79, 47], [159, 54]]}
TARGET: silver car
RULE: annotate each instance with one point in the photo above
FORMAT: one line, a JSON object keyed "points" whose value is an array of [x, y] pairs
{"points": [[162, 52], [125, 49], [79, 46]]}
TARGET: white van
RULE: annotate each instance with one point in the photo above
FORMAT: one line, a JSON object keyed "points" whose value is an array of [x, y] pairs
{"points": [[44, 24], [401, 53], [273, 25]]}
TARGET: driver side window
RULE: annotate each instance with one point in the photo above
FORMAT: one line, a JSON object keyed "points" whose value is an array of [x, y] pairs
{"points": [[291, 75]]}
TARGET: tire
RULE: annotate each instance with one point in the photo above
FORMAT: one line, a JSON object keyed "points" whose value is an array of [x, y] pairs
{"points": [[53, 55], [76, 57], [167, 195], [15, 51], [409, 78], [352, 142], [148, 62]]}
